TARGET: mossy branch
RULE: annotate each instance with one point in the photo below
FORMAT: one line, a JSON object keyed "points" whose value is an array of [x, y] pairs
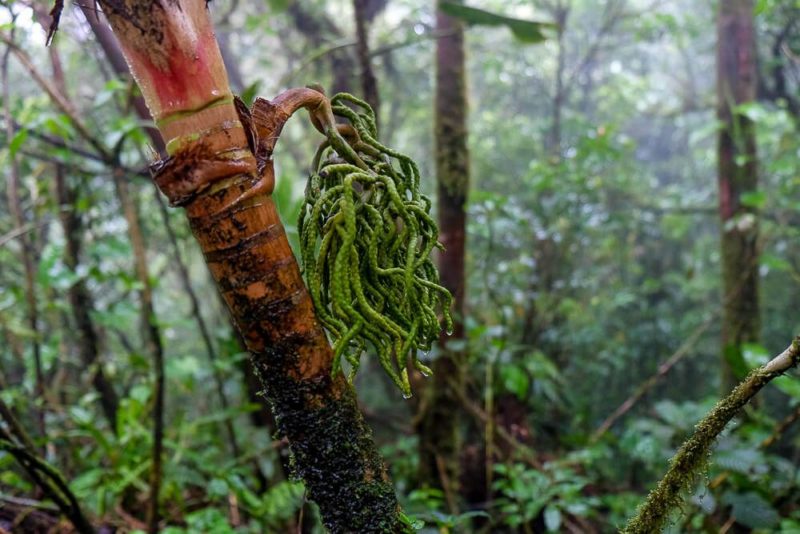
{"points": [[693, 454]]}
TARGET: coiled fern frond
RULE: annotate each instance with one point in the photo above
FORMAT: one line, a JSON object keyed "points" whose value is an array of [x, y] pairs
{"points": [[366, 237]]}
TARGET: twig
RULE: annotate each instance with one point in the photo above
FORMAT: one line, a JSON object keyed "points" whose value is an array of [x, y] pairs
{"points": [[788, 421], [665, 367], [528, 454], [648, 384], [21, 231], [341, 45], [61, 101]]}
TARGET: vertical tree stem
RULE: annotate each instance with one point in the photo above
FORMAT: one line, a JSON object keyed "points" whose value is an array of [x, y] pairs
{"points": [[439, 429], [27, 252], [152, 338], [737, 77]]}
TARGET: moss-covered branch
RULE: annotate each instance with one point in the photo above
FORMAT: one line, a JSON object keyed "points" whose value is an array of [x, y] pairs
{"points": [[693, 454]]}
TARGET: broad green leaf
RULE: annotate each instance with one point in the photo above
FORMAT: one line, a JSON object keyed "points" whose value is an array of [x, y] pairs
{"points": [[527, 31], [752, 510], [754, 199], [775, 262], [552, 518], [515, 381], [279, 5], [17, 141]]}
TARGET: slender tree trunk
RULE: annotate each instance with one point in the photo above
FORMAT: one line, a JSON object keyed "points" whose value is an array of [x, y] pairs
{"points": [[80, 300], [27, 252], [213, 174], [320, 30], [439, 428], [369, 84], [152, 340], [738, 176]]}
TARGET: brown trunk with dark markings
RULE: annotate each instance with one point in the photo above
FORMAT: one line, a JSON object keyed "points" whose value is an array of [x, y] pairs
{"points": [[738, 175], [249, 256], [439, 439], [213, 174], [108, 42]]}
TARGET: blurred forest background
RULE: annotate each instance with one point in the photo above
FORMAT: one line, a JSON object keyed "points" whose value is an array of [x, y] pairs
{"points": [[597, 291]]}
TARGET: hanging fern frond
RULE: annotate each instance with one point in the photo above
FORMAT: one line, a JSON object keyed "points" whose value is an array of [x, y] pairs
{"points": [[366, 237]]}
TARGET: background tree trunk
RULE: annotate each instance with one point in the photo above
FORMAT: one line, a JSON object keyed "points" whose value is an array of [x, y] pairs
{"points": [[439, 427], [738, 175], [369, 84]]}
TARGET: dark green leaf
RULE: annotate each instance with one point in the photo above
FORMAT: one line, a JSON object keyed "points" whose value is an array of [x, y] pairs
{"points": [[527, 31], [754, 199], [17, 141], [752, 510]]}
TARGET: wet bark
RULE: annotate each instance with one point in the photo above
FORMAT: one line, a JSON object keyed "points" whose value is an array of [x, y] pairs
{"points": [[245, 246], [439, 427], [737, 176], [108, 42], [215, 175]]}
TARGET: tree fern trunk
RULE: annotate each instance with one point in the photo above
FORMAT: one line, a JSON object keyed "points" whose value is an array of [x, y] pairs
{"points": [[213, 174]]}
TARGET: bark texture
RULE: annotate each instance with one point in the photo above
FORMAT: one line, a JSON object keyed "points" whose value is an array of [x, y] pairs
{"points": [[737, 77], [244, 243], [439, 439], [221, 172]]}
